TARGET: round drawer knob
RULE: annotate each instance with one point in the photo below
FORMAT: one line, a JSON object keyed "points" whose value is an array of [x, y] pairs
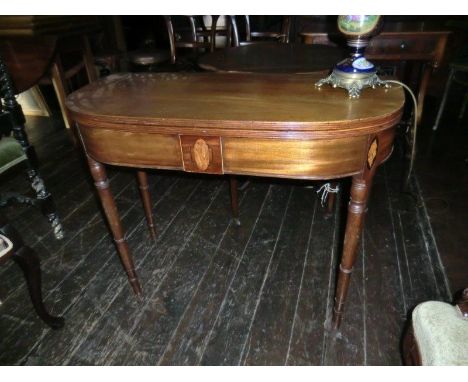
{"points": [[403, 45]]}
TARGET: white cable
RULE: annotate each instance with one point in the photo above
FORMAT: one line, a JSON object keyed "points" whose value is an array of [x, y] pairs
{"points": [[325, 190], [415, 125]]}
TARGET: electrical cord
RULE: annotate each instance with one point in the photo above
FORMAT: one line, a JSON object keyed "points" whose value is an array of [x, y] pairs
{"points": [[415, 126]]}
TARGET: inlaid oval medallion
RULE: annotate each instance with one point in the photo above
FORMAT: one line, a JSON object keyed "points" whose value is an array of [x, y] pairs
{"points": [[201, 154], [372, 153]]}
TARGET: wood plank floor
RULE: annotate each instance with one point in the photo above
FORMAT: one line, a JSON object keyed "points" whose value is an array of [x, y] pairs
{"points": [[214, 293]]}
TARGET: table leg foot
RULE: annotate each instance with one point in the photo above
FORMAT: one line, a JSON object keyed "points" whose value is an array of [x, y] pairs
{"points": [[135, 286], [336, 319]]}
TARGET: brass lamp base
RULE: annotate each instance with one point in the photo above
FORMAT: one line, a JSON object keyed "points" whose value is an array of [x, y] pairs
{"points": [[352, 82]]}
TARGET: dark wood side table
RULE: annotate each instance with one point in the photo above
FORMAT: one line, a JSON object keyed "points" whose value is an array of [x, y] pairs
{"points": [[32, 46], [263, 125], [399, 42], [272, 57]]}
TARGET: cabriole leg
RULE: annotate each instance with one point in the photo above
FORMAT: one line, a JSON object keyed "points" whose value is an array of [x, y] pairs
{"points": [[29, 263]]}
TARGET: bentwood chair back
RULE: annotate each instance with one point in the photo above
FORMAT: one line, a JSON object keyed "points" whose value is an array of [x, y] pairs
{"points": [[254, 37], [187, 32]]}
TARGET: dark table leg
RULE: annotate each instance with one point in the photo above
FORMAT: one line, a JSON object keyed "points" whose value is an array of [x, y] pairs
{"points": [[331, 198], [360, 190], [29, 263], [110, 209], [146, 198]]}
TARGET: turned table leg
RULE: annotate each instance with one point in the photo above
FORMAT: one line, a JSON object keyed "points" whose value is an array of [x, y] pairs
{"points": [[331, 198], [110, 209], [146, 198], [356, 210], [17, 121]]}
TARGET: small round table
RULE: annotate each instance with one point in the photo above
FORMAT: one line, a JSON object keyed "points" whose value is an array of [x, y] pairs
{"points": [[272, 57]]}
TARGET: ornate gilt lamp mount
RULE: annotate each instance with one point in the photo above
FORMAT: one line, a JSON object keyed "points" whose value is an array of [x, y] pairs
{"points": [[355, 72]]}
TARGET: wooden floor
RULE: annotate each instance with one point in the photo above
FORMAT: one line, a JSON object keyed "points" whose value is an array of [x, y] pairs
{"points": [[214, 293]]}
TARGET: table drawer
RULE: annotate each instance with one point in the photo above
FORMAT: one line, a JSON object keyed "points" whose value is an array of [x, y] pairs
{"points": [[307, 159], [132, 149], [402, 47], [391, 46], [201, 154]]}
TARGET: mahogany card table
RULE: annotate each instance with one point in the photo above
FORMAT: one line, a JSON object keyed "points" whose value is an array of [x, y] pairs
{"points": [[271, 125]]}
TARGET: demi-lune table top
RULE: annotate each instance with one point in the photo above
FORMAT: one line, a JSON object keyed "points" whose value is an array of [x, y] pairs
{"points": [[285, 103]]}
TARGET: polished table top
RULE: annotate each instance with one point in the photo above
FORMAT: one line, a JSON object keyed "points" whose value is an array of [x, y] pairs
{"points": [[274, 57], [281, 102]]}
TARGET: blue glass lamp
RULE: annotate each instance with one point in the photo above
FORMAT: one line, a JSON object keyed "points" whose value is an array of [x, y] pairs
{"points": [[355, 72]]}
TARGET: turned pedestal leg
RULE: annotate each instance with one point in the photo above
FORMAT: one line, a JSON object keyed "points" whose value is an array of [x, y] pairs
{"points": [[110, 209], [356, 210], [234, 199], [146, 198], [17, 120]]}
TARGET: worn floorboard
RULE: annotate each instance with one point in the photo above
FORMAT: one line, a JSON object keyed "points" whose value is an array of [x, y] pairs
{"points": [[215, 293], [188, 340]]}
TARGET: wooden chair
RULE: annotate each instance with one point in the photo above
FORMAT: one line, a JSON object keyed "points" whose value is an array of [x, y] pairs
{"points": [[149, 56], [456, 68], [459, 67], [217, 30], [61, 76], [12, 246], [16, 150], [255, 37], [438, 334], [193, 35]]}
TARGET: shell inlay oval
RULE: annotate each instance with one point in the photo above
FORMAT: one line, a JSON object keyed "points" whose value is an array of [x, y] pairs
{"points": [[201, 154], [372, 153]]}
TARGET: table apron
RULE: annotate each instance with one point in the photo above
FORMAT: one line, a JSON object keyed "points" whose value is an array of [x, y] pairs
{"points": [[314, 158]]}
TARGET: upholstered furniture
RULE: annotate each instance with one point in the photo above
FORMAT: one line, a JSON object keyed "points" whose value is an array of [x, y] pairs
{"points": [[438, 335], [11, 153]]}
